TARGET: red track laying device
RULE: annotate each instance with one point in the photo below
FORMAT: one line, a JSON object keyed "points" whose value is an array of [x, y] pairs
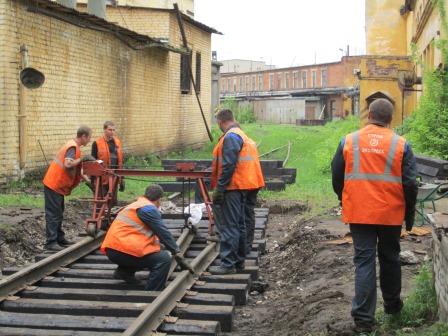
{"points": [[102, 205]]}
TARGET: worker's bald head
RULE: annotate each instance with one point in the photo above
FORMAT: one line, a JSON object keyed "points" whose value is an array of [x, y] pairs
{"points": [[381, 111], [154, 192]]}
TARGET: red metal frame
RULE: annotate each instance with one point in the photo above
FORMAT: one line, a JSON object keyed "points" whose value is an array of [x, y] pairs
{"points": [[102, 205]]}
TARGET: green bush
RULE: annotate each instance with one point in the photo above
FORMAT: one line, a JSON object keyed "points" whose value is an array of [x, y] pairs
{"points": [[243, 114], [334, 131], [427, 128]]}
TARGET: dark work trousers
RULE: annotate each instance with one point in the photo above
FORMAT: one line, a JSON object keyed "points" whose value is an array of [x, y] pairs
{"points": [[232, 229], [249, 217], [158, 264], [366, 240], [54, 214]]}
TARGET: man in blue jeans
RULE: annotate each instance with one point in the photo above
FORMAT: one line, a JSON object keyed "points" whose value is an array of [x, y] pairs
{"points": [[374, 176]]}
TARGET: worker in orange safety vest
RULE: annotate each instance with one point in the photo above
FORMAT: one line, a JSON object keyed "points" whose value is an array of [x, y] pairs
{"points": [[62, 176], [374, 176], [108, 148], [133, 242], [236, 171]]}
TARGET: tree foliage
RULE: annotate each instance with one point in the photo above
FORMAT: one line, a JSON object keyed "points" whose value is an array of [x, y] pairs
{"points": [[427, 128]]}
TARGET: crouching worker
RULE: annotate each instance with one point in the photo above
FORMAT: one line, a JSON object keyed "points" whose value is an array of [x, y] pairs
{"points": [[133, 242]]}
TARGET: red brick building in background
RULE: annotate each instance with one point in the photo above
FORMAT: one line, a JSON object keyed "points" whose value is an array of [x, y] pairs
{"points": [[311, 92]]}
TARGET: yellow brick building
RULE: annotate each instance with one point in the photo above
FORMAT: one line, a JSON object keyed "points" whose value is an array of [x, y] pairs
{"points": [[392, 27], [95, 72]]}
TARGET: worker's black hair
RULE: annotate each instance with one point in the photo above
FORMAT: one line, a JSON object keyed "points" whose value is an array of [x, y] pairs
{"points": [[83, 130], [225, 115], [381, 111], [154, 192]]}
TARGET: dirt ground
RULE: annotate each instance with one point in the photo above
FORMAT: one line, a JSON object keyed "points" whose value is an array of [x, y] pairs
{"points": [[310, 281], [22, 231]]}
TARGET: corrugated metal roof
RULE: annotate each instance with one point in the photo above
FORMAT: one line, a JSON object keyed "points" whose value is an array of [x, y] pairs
{"points": [[132, 39]]}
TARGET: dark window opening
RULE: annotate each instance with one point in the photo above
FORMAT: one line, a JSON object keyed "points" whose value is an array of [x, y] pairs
{"points": [[198, 72], [185, 82]]}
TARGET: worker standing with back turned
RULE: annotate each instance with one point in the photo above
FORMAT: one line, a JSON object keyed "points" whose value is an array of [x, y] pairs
{"points": [[108, 148], [236, 171], [374, 176], [62, 176]]}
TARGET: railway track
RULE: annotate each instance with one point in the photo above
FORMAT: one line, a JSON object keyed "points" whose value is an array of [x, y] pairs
{"points": [[73, 292]]}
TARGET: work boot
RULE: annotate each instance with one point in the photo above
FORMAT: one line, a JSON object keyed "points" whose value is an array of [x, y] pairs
{"points": [[54, 247], [363, 329], [394, 308], [239, 267], [213, 239], [220, 270], [64, 242], [129, 278]]}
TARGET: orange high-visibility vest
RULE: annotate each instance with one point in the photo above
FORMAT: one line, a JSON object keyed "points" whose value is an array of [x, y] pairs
{"points": [[104, 154], [128, 234], [373, 190], [60, 179], [247, 174]]}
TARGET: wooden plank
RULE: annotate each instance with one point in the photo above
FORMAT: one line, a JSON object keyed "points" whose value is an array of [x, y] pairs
{"points": [[48, 332], [228, 278], [118, 295], [52, 321], [74, 308], [239, 291], [192, 327], [221, 314], [210, 299]]}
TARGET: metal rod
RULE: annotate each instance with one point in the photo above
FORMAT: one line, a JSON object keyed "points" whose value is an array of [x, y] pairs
{"points": [[190, 71]]}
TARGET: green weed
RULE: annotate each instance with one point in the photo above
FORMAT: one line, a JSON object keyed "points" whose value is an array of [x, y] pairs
{"points": [[420, 309]]}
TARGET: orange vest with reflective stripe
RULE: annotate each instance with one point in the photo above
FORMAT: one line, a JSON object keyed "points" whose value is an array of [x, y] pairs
{"points": [[60, 179], [104, 154], [247, 174], [373, 191], [128, 234]]}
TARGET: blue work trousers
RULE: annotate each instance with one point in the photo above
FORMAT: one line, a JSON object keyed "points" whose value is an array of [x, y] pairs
{"points": [[366, 240], [232, 229], [158, 264]]}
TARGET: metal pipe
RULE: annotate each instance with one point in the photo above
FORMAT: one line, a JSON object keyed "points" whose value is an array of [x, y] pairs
{"points": [[22, 110]]}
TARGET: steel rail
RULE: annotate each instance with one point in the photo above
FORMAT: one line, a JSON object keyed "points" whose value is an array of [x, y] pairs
{"points": [[184, 242], [152, 317], [37, 271]]}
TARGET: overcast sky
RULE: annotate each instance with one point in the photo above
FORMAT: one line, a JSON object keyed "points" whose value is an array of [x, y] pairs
{"points": [[284, 32]]}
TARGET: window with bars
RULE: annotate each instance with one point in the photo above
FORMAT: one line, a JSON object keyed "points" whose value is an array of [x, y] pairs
{"points": [[185, 82], [304, 80]]}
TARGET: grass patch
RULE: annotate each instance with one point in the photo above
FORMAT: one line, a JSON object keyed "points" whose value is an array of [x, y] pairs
{"points": [[419, 311], [312, 148]]}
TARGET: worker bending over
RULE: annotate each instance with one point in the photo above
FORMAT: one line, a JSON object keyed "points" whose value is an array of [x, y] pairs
{"points": [[132, 242], [374, 176], [236, 171], [62, 176]]}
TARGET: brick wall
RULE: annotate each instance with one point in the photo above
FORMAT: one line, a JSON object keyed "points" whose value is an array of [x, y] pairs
{"points": [[91, 77], [440, 257]]}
